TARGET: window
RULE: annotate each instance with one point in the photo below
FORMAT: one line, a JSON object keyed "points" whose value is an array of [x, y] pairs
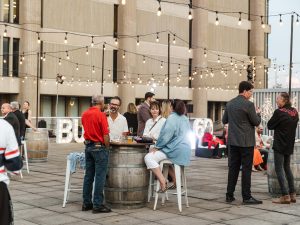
{"points": [[15, 57], [5, 62], [6, 11], [15, 11]]}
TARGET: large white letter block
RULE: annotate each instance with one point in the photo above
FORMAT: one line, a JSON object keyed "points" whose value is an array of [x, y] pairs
{"points": [[200, 125], [64, 126], [75, 132]]}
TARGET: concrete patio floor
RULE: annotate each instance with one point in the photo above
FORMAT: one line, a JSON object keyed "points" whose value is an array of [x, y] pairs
{"points": [[38, 198]]}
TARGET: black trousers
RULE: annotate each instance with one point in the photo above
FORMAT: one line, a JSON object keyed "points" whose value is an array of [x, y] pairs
{"points": [[240, 156], [6, 213]]}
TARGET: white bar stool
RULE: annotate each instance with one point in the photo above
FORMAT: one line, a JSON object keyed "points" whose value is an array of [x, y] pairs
{"points": [[152, 184], [180, 180], [24, 147]]}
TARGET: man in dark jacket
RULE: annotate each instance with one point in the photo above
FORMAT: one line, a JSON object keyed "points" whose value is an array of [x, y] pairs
{"points": [[10, 117], [284, 122], [144, 112], [20, 116], [242, 118]]}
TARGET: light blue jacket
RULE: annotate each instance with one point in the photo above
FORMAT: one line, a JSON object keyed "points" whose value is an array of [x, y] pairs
{"points": [[174, 140]]}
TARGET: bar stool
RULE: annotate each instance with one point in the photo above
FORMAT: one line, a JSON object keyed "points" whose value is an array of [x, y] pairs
{"points": [[25, 155], [180, 180], [68, 180], [152, 184]]}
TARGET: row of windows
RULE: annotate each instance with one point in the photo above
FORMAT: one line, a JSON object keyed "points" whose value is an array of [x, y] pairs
{"points": [[7, 8], [15, 58]]}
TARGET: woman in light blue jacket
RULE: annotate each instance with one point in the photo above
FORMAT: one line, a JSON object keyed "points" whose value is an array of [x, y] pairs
{"points": [[173, 143]]}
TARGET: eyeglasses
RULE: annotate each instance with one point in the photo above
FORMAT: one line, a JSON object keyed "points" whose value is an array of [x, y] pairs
{"points": [[113, 104]]}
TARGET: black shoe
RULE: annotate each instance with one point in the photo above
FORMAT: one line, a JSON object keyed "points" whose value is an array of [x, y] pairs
{"points": [[86, 207], [251, 201], [102, 209], [229, 198]]}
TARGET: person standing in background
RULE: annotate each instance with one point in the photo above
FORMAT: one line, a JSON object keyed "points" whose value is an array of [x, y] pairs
{"points": [[144, 112], [166, 108], [242, 118], [27, 113], [131, 117], [284, 123], [20, 116]]}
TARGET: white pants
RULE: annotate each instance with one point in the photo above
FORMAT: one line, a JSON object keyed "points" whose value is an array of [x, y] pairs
{"points": [[152, 159]]}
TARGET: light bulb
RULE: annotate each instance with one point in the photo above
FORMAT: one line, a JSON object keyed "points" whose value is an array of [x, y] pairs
{"points": [[38, 39], [137, 40], [124, 55], [157, 37], [240, 19], [205, 53], [59, 61], [93, 71], [174, 39], [161, 65], [92, 42], [5, 32], [144, 60], [68, 57], [262, 22], [77, 68], [219, 59], [123, 2], [297, 21], [116, 41], [159, 11], [87, 50], [190, 16], [280, 20], [66, 38], [217, 22]]}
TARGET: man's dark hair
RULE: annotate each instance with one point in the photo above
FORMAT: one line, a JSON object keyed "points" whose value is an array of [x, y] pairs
{"points": [[178, 107], [149, 95], [245, 86], [117, 98]]}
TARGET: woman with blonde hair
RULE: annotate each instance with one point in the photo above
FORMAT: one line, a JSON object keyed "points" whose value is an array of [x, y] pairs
{"points": [[131, 117], [166, 108]]}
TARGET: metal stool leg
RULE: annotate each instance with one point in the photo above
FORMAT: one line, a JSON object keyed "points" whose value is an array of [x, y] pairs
{"points": [[178, 186], [25, 155], [67, 183]]}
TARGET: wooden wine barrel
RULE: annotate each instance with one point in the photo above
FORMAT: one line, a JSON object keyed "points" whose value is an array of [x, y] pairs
{"points": [[128, 177], [273, 184], [37, 144]]}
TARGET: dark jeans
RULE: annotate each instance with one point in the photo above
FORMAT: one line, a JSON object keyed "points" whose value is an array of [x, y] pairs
{"points": [[6, 211], [240, 156], [283, 172], [96, 162]]}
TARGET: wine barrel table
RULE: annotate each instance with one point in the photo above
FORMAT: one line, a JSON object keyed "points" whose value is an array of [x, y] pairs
{"points": [[128, 177], [37, 144], [274, 188]]}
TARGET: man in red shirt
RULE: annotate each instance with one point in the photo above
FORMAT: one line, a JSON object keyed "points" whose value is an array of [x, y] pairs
{"points": [[96, 135]]}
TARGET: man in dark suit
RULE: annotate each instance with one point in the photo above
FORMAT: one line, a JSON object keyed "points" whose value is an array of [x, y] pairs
{"points": [[20, 116], [144, 112], [242, 118], [10, 117]]}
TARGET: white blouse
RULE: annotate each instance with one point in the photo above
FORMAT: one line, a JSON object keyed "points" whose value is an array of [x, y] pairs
{"points": [[154, 132]]}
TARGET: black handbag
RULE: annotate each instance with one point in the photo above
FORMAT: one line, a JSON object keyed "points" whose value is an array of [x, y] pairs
{"points": [[147, 140]]}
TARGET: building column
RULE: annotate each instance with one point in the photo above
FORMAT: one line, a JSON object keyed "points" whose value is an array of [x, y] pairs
{"points": [[127, 26], [257, 40], [30, 17], [200, 38]]}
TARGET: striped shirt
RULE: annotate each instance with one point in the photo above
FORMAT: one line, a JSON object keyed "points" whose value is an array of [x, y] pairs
{"points": [[8, 148]]}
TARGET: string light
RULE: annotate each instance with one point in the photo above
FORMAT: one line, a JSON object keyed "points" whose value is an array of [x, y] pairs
{"points": [[159, 9], [44, 58], [231, 62], [138, 40], [92, 42], [297, 21], [124, 75], [66, 38], [157, 37], [38, 39], [124, 55], [219, 59], [5, 31], [262, 22], [67, 53], [59, 61], [108, 73], [190, 16], [179, 68], [240, 19], [77, 68], [87, 50], [280, 20], [174, 39], [23, 56], [116, 41], [104, 46], [161, 65], [93, 70], [217, 22], [123, 2], [21, 61], [205, 53], [144, 59]]}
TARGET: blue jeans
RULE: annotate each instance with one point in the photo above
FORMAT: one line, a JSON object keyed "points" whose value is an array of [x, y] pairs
{"points": [[284, 173], [96, 163]]}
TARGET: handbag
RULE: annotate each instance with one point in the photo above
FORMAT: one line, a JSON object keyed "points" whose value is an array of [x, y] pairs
{"points": [[14, 164], [147, 140]]}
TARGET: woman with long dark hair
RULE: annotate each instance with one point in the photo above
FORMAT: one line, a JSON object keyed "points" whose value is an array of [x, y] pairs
{"points": [[173, 143], [284, 123]]}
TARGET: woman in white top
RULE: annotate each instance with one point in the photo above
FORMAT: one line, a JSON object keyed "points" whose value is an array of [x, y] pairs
{"points": [[154, 124]]}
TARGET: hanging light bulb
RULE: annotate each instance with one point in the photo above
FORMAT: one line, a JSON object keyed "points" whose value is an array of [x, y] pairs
{"points": [[190, 50], [231, 62], [44, 58], [157, 37], [297, 21], [5, 31], [38, 39], [217, 22], [144, 59], [92, 42], [59, 61], [280, 20], [205, 53], [23, 56], [87, 50], [178, 68], [174, 39], [124, 55], [93, 70], [104, 46], [159, 9], [123, 2], [124, 75], [108, 73], [219, 59], [262, 22], [67, 55], [66, 38], [116, 41], [190, 16], [161, 65], [138, 40], [77, 68], [21, 61], [240, 19]]}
